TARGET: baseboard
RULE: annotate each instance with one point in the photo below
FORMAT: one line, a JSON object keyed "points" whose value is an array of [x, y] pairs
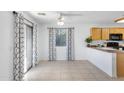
{"points": [[61, 60]]}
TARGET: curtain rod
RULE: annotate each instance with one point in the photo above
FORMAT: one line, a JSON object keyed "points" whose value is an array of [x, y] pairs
{"points": [[14, 12]]}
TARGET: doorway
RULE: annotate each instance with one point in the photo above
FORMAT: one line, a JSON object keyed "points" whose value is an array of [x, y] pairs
{"points": [[61, 44]]}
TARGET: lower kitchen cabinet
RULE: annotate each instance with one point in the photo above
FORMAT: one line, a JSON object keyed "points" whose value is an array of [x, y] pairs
{"points": [[120, 64]]}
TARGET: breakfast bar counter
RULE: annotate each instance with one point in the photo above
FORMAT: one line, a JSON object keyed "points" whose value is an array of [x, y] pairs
{"points": [[104, 60], [109, 60], [110, 50]]}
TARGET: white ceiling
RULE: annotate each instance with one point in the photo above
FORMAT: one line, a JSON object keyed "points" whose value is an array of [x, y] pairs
{"points": [[105, 17]]}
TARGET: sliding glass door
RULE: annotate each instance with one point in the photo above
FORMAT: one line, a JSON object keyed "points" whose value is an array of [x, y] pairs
{"points": [[28, 48]]}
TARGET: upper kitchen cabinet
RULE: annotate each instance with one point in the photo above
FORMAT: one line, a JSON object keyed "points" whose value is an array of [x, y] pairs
{"points": [[105, 33], [96, 33], [117, 31]]}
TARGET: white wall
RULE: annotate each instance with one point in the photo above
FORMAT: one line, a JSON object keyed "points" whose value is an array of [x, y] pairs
{"points": [[43, 43], [6, 47]]}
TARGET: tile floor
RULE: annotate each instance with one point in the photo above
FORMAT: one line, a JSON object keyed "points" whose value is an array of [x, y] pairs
{"points": [[66, 71]]}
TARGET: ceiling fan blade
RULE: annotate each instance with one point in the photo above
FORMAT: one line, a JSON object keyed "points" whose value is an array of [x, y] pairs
{"points": [[72, 14]]}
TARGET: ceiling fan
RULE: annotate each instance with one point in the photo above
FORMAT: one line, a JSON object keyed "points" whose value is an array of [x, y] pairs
{"points": [[61, 17], [71, 14], [64, 13]]}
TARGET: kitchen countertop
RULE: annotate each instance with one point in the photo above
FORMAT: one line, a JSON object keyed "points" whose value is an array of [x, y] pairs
{"points": [[106, 49]]}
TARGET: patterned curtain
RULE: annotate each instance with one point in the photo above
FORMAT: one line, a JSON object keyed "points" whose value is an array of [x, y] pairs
{"points": [[18, 64], [34, 44], [52, 44], [70, 44]]}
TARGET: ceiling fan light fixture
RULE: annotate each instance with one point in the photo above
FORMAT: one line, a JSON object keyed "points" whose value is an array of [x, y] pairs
{"points": [[61, 18], [120, 20], [60, 23]]}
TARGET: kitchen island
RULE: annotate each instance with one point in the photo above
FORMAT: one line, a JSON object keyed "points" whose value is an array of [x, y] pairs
{"points": [[109, 60]]}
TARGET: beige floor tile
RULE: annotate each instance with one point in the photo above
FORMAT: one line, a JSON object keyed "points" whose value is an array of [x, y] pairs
{"points": [[66, 71]]}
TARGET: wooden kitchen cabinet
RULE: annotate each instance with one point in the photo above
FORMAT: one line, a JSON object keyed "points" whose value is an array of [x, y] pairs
{"points": [[96, 33], [117, 31], [105, 33], [122, 31], [120, 64], [114, 31]]}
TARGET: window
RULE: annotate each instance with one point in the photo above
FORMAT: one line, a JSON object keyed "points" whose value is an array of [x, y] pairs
{"points": [[60, 37]]}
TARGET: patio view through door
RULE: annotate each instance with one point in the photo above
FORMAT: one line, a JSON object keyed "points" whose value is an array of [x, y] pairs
{"points": [[61, 44], [28, 48]]}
